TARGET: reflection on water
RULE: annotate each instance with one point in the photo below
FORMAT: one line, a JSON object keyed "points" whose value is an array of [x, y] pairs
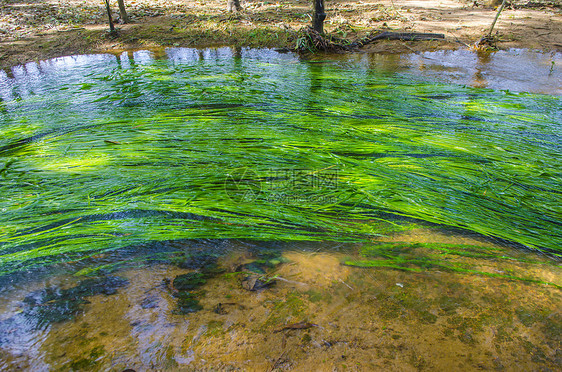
{"points": [[518, 70], [515, 70]]}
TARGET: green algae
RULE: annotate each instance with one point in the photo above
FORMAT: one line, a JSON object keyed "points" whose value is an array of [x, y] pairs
{"points": [[88, 363], [291, 307], [188, 302], [149, 152], [215, 328], [419, 257], [186, 288], [189, 281]]}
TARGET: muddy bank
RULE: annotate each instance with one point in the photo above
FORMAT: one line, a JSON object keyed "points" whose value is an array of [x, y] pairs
{"points": [[46, 29]]}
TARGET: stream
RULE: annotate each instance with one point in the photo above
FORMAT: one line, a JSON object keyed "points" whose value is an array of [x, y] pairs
{"points": [[243, 209]]}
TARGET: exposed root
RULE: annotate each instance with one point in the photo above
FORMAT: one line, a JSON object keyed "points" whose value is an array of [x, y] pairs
{"points": [[487, 43], [309, 40]]}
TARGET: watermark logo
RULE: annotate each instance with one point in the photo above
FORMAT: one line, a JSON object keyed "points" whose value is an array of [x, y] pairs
{"points": [[284, 186], [242, 185]]}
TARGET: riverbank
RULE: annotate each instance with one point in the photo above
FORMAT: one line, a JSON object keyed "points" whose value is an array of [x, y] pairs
{"points": [[47, 29]]}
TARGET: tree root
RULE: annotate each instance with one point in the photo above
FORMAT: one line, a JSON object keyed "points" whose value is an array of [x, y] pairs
{"points": [[310, 41]]}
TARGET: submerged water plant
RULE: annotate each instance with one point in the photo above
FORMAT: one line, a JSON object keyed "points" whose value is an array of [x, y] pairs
{"points": [[460, 258], [102, 153]]}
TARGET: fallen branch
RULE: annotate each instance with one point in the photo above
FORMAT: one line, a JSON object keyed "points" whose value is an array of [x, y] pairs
{"points": [[277, 361], [404, 36], [309, 40]]}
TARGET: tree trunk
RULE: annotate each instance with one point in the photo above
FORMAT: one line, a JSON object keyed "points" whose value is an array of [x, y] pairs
{"points": [[123, 11], [496, 19], [111, 26], [233, 5], [319, 16]]}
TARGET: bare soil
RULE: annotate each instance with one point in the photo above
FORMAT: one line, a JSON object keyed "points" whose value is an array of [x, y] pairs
{"points": [[39, 29]]}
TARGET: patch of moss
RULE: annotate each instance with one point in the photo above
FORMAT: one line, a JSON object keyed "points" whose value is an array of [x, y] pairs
{"points": [[97, 352], [315, 296], [467, 337], [189, 281], [187, 303], [448, 332], [266, 259], [389, 309], [197, 261], [549, 323], [169, 358], [418, 361], [215, 328], [448, 304], [292, 306], [426, 317], [90, 362], [82, 364], [503, 334], [537, 354], [401, 300], [186, 284], [527, 317]]}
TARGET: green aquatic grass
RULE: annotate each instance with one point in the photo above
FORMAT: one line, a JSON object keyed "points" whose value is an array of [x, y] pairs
{"points": [[113, 153], [458, 258]]}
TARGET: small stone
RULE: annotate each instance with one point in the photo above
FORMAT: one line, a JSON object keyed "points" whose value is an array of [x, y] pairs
{"points": [[255, 282]]}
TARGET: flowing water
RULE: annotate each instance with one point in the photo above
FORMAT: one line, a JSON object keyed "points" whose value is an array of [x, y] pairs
{"points": [[400, 219]]}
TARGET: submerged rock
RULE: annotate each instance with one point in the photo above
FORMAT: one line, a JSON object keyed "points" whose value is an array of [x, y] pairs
{"points": [[256, 282], [266, 260], [189, 281], [188, 302], [53, 305], [197, 261]]}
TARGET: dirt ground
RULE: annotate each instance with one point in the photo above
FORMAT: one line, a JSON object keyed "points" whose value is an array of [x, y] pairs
{"points": [[38, 29]]}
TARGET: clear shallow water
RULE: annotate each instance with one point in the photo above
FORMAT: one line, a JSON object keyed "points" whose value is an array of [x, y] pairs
{"points": [[517, 70], [363, 318], [102, 152], [130, 166]]}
